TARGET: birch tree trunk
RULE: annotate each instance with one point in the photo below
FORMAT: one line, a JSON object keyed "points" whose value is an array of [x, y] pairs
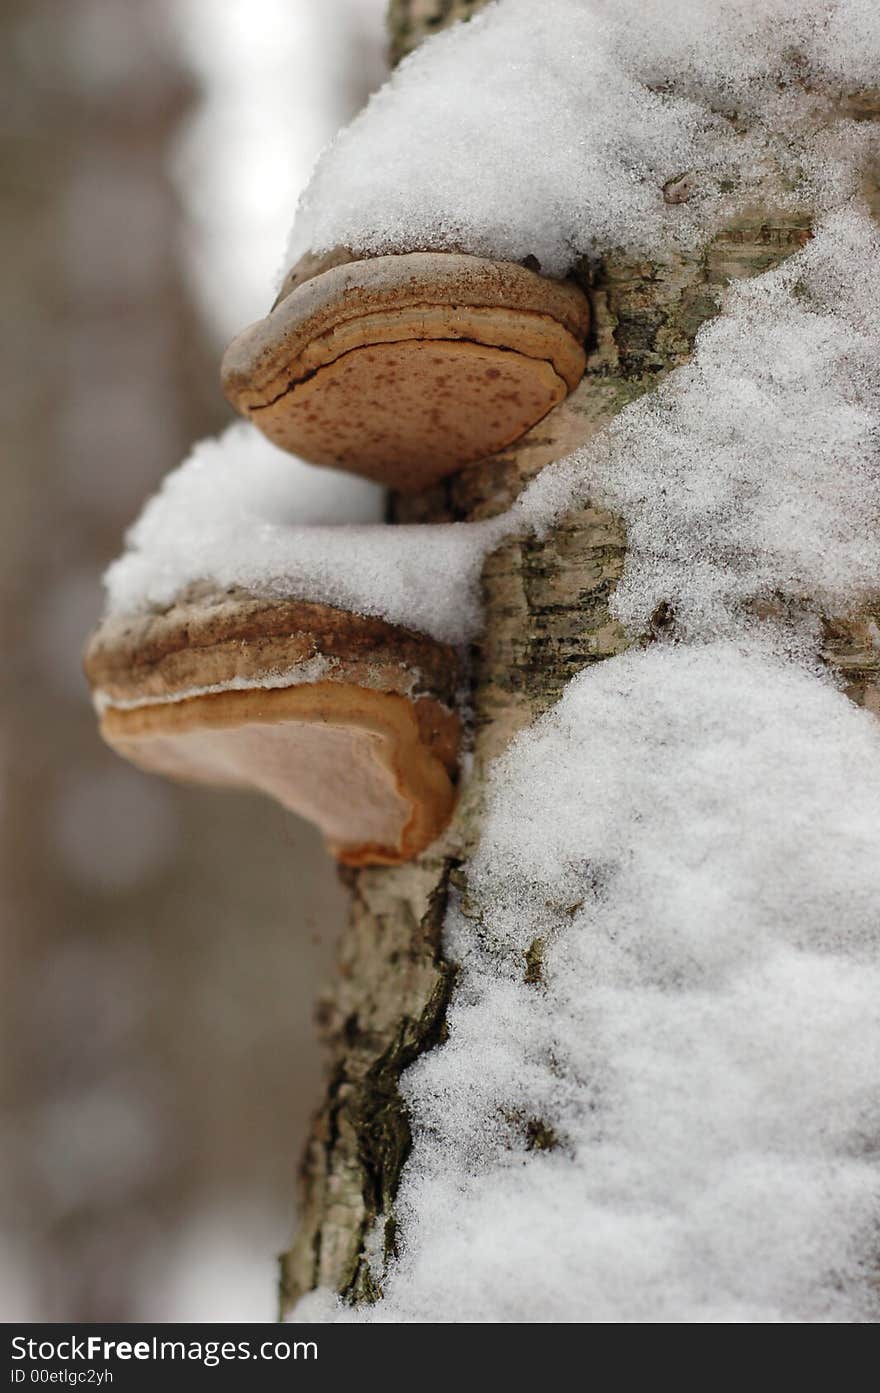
{"points": [[546, 618]]}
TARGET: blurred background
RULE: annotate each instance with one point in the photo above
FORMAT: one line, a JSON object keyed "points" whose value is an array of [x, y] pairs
{"points": [[160, 948]]}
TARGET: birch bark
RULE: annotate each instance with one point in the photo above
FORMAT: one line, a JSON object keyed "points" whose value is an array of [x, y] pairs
{"points": [[546, 618]]}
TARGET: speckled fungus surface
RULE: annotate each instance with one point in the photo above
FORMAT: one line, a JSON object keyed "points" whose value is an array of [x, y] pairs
{"points": [[345, 720], [404, 368]]}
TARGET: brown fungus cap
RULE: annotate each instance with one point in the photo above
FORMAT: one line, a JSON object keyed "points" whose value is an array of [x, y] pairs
{"points": [[404, 368], [362, 740]]}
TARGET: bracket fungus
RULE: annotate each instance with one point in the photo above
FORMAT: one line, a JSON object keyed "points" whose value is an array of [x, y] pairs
{"points": [[348, 721], [404, 368]]}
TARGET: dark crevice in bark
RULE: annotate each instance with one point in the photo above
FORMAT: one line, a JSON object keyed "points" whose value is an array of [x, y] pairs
{"points": [[383, 1130], [388, 1008]]}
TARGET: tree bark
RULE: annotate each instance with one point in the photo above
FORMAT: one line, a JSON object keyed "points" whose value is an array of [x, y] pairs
{"points": [[546, 618], [410, 21]]}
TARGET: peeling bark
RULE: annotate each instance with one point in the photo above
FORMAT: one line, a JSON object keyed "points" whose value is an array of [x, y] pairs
{"points": [[547, 617]]}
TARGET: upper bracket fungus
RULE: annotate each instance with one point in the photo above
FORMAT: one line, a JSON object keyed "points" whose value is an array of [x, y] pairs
{"points": [[348, 721], [404, 368]]}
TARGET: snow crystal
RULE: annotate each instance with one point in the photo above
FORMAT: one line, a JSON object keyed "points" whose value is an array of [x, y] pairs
{"points": [[754, 470], [679, 1121], [242, 513], [510, 138]]}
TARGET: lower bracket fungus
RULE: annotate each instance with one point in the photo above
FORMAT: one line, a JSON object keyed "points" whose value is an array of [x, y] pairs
{"points": [[348, 721], [404, 368]]}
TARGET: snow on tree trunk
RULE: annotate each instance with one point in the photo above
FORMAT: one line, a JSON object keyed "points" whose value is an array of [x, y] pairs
{"points": [[546, 618]]}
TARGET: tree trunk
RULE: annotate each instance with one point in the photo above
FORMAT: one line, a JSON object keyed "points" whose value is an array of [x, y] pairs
{"points": [[410, 21], [546, 617]]}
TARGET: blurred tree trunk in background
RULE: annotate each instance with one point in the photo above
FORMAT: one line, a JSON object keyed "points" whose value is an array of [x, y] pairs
{"points": [[151, 967], [104, 382], [546, 618]]}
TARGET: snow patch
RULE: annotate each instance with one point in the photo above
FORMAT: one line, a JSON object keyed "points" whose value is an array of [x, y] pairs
{"points": [[678, 1120], [509, 138], [241, 513], [753, 472]]}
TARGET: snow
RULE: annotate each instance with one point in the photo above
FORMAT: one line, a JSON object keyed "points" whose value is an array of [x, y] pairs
{"points": [[507, 138], [693, 833], [241, 513], [753, 472]]}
